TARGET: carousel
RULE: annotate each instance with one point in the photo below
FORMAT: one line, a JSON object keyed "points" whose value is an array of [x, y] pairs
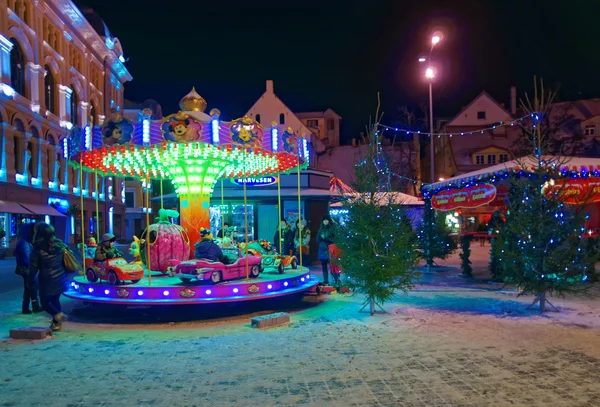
{"points": [[194, 151]]}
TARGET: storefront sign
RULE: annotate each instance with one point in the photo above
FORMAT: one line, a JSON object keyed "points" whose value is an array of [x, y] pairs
{"points": [[255, 182], [579, 191], [464, 198]]}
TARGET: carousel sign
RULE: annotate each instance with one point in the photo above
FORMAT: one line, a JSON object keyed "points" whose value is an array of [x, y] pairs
{"points": [[255, 182], [464, 198]]}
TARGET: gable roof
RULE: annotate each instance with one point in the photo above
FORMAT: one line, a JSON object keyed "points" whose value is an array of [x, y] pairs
{"points": [[267, 94], [310, 115], [481, 95]]}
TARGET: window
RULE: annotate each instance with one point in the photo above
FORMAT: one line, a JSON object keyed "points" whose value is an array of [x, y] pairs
{"points": [[92, 114], [312, 123], [330, 124], [129, 199], [258, 118], [479, 160], [503, 158], [590, 130], [17, 68], [49, 90], [74, 107], [281, 118], [481, 115], [491, 158]]}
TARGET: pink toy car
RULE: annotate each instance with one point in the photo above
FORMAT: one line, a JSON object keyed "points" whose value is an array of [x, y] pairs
{"points": [[215, 272]]}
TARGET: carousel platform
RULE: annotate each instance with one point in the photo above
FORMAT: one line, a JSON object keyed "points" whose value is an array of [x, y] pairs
{"points": [[166, 290]]}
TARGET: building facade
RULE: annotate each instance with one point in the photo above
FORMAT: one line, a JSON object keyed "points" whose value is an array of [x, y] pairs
{"points": [[60, 70]]}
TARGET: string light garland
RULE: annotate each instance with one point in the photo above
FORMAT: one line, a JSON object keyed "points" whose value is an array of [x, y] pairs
{"points": [[459, 133]]}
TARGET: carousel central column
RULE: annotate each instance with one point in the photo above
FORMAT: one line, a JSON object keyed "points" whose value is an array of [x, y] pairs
{"points": [[195, 214]]}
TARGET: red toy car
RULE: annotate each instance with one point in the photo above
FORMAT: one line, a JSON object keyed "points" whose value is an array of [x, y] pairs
{"points": [[114, 271], [215, 272]]}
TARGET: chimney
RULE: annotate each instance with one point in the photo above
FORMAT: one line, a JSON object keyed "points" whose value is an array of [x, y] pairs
{"points": [[513, 100], [269, 86]]}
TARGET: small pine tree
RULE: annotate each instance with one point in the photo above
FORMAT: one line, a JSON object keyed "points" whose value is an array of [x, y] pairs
{"points": [[540, 247], [376, 237], [434, 237], [465, 262]]}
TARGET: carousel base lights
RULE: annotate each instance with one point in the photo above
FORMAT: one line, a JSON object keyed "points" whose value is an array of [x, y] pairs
{"points": [[171, 291]]}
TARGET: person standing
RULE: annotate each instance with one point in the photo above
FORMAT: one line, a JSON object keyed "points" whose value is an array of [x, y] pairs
{"points": [[302, 240], [22, 253], [285, 236], [325, 237], [47, 260]]}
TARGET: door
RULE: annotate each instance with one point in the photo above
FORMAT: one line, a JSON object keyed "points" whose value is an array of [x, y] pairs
{"points": [[267, 222]]}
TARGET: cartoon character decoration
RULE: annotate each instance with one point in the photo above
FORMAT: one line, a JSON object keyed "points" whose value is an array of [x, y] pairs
{"points": [[246, 132], [181, 128], [167, 242], [135, 250], [290, 141], [118, 130]]}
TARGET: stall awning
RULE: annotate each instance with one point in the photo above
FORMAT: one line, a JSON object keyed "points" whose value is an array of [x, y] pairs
{"points": [[13, 207], [42, 209]]}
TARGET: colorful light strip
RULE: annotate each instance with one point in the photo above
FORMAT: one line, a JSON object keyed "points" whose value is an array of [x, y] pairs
{"points": [[146, 131], [215, 130], [274, 138]]}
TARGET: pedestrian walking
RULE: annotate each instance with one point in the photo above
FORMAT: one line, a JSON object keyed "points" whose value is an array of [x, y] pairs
{"points": [[47, 260], [22, 254]]}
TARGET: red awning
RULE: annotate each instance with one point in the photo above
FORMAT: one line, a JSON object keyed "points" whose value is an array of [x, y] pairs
{"points": [[13, 207], [42, 209]]}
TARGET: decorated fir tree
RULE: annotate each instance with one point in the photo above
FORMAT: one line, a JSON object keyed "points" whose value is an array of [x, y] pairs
{"points": [[540, 248], [465, 261], [434, 237], [376, 238]]}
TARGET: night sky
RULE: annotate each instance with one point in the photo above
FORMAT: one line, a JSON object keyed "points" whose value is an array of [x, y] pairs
{"points": [[339, 54]]}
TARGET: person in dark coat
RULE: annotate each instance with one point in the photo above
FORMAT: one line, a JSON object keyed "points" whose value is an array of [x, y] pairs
{"points": [[47, 260], [284, 236], [22, 254], [325, 237], [224, 232], [207, 249]]}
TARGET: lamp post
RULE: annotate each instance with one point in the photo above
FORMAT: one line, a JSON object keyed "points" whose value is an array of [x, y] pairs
{"points": [[430, 75]]}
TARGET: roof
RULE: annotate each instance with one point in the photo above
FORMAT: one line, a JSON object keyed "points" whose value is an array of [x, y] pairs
{"points": [[482, 94], [570, 163], [318, 115], [383, 198]]}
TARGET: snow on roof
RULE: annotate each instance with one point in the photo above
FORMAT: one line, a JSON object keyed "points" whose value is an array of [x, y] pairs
{"points": [[569, 163]]}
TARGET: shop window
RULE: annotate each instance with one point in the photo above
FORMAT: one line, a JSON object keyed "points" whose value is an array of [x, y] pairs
{"points": [[481, 115], [491, 158], [17, 68], [479, 160], [49, 90]]}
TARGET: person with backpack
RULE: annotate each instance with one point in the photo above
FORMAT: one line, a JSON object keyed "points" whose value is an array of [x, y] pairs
{"points": [[47, 262]]}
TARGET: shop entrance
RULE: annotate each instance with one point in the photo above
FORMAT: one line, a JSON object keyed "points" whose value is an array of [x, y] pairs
{"points": [[267, 222]]}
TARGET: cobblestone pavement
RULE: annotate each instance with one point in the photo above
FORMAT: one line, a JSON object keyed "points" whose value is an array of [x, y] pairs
{"points": [[427, 351]]}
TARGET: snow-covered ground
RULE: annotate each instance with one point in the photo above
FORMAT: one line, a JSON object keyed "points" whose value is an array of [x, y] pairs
{"points": [[451, 342]]}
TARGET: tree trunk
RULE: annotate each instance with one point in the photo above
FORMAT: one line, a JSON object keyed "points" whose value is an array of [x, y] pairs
{"points": [[542, 297], [372, 306]]}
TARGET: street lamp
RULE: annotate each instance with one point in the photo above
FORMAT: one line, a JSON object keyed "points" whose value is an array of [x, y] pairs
{"points": [[430, 75]]}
